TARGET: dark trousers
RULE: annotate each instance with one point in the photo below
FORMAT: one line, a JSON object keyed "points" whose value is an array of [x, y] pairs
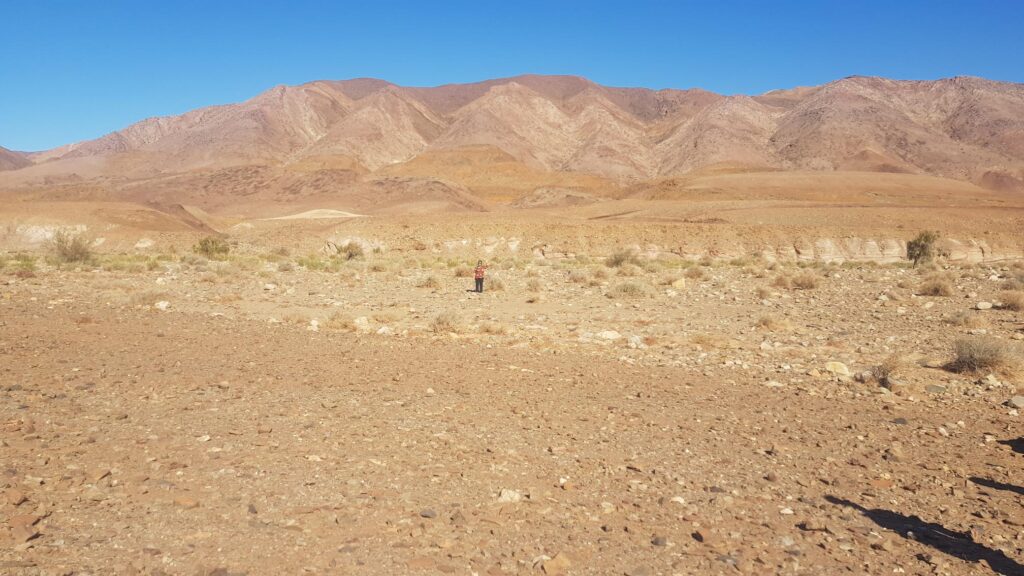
{"points": [[479, 284]]}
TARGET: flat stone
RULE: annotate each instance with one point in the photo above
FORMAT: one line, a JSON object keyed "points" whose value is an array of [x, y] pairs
{"points": [[837, 368], [1016, 402], [983, 305], [560, 564]]}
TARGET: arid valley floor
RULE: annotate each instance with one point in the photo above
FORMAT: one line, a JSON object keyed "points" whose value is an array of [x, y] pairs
{"points": [[606, 406]]}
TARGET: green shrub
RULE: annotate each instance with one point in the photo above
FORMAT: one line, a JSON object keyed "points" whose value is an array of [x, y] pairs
{"points": [[212, 247], [71, 248], [623, 257], [921, 249]]}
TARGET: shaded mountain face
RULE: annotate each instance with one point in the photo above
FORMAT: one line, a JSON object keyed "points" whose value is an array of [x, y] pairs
{"points": [[10, 160], [964, 128]]}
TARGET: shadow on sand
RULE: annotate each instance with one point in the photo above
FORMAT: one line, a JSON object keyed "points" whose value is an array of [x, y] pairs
{"points": [[958, 544], [1015, 444]]}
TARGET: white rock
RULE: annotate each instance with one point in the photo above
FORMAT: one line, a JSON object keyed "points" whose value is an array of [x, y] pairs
{"points": [[837, 368], [509, 496], [269, 287], [162, 305], [983, 305], [362, 323], [608, 335]]}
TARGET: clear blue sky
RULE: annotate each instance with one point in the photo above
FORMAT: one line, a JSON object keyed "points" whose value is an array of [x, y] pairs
{"points": [[73, 70]]}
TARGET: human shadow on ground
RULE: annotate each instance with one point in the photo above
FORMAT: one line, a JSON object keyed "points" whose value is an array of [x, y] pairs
{"points": [[1015, 444], [958, 544], [997, 485]]}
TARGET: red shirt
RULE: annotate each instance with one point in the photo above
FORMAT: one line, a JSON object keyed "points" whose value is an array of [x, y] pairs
{"points": [[478, 272]]}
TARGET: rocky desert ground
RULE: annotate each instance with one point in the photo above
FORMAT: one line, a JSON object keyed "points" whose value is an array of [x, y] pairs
{"points": [[242, 340], [273, 410]]}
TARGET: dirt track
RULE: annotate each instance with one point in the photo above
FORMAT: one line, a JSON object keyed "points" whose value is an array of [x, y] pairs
{"points": [[183, 443]]}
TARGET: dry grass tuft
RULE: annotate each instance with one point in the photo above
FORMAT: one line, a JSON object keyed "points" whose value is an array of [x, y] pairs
{"points": [[985, 353], [627, 290], [447, 321], [578, 277], [891, 368], [805, 281], [936, 284], [969, 320], [429, 282], [463, 271], [695, 273], [494, 283], [623, 257], [494, 328], [774, 323], [340, 321], [1012, 300], [533, 285]]}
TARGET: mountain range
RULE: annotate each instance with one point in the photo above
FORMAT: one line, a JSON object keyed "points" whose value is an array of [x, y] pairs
{"points": [[507, 137]]}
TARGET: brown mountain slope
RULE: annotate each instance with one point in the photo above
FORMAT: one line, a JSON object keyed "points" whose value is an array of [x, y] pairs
{"points": [[963, 128], [11, 160]]}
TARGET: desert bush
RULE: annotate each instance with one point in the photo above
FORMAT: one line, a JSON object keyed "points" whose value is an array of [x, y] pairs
{"points": [[984, 353], [1012, 300], [533, 285], [936, 284], [429, 282], [762, 292], [578, 277], [495, 283], [212, 247], [629, 270], [921, 249], [147, 297], [622, 257], [805, 281], [378, 267], [340, 321], [312, 262], [774, 323], [463, 271], [783, 281], [285, 266], [891, 368], [968, 319], [71, 248], [447, 321], [600, 274], [347, 251], [494, 328], [694, 273], [627, 290]]}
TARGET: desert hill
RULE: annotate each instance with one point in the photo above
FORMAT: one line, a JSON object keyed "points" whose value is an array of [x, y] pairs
{"points": [[503, 140], [10, 160]]}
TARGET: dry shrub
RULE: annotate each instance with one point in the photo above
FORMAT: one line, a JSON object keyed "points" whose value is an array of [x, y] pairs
{"points": [[968, 319], [711, 340], [340, 321], [936, 285], [494, 328], [629, 270], [447, 321], [783, 281], [147, 297], [774, 323], [627, 290], [578, 277], [429, 282], [494, 283], [463, 271], [985, 353], [763, 292], [893, 367], [805, 281], [1012, 300], [694, 273], [71, 248], [600, 274], [623, 257]]}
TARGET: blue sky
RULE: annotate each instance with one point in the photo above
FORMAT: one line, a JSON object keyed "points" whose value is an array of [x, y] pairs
{"points": [[73, 70]]}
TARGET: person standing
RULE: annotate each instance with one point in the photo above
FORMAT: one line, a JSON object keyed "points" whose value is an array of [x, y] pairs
{"points": [[478, 275]]}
